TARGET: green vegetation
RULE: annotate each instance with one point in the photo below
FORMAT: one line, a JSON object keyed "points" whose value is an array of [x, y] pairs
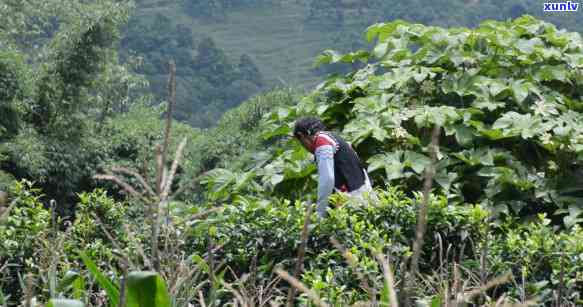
{"points": [[209, 82], [472, 137], [510, 116], [281, 38], [299, 30]]}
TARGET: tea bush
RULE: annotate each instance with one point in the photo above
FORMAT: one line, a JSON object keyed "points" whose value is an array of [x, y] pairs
{"points": [[257, 235]]}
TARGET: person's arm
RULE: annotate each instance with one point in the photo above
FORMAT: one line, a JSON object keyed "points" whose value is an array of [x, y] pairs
{"points": [[325, 159]]}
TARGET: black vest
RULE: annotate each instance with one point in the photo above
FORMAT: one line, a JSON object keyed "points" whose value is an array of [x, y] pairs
{"points": [[348, 170]]}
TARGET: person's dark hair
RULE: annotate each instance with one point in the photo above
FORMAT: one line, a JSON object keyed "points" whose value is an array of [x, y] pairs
{"points": [[308, 126]]}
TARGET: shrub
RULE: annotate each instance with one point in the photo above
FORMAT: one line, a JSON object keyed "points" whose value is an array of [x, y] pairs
{"points": [[256, 235], [506, 95], [28, 222]]}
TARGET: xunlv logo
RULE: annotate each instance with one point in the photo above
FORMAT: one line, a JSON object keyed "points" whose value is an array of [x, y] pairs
{"points": [[561, 6]]}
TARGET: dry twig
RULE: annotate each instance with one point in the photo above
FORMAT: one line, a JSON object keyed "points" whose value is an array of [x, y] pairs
{"points": [[301, 253], [296, 284]]}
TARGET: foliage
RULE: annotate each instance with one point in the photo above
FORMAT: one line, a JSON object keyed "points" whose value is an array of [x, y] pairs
{"points": [[6, 181], [547, 259], [58, 97], [95, 212], [274, 24], [209, 82], [13, 89], [217, 9], [132, 136], [157, 40], [510, 116], [507, 95], [27, 224], [235, 141], [28, 219], [147, 289], [77, 55], [144, 289], [103, 281], [326, 11], [257, 235]]}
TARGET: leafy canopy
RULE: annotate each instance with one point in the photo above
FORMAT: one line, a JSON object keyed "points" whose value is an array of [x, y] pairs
{"points": [[506, 94]]}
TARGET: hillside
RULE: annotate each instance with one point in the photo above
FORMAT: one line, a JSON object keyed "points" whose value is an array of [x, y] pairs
{"points": [[285, 37], [274, 36]]}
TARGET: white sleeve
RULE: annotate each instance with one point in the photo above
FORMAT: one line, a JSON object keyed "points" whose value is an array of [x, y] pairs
{"points": [[325, 159]]}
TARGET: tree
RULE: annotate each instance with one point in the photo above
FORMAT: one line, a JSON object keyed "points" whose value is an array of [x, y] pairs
{"points": [[55, 142], [12, 92], [249, 71], [212, 63]]}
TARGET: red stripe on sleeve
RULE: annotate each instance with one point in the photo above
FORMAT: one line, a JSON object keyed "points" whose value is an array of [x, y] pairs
{"points": [[323, 139]]}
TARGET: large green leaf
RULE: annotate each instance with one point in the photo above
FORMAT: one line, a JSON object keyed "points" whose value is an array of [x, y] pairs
{"points": [[416, 161], [513, 124], [146, 289], [219, 180], [520, 91], [383, 30], [552, 72], [429, 116], [463, 135], [528, 46], [392, 163], [331, 56], [500, 92], [482, 156], [362, 128]]}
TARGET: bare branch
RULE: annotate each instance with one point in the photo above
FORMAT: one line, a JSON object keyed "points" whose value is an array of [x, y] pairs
{"points": [[7, 211], [124, 258], [160, 169], [28, 291], [389, 278], [171, 101], [296, 284], [492, 283], [201, 299], [237, 294], [422, 216], [170, 178], [139, 177], [126, 187], [301, 253], [205, 213], [189, 184]]}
